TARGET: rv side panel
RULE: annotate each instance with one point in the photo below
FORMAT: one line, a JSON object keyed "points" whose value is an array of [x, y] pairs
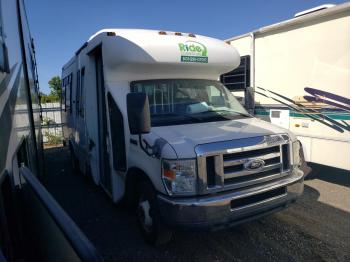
{"points": [[307, 64]]}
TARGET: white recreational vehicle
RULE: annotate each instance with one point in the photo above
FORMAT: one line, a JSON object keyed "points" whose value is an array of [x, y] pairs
{"points": [[147, 117], [298, 74]]}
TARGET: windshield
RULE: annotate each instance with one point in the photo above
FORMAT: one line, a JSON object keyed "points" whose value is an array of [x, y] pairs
{"points": [[176, 102]]}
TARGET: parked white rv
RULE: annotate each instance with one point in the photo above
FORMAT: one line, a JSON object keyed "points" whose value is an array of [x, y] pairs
{"points": [[298, 74], [148, 119]]}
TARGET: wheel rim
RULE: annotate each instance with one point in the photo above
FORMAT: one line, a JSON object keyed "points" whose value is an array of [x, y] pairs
{"points": [[144, 215]]}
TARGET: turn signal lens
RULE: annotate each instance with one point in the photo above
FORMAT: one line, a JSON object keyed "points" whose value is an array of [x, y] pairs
{"points": [[169, 174]]}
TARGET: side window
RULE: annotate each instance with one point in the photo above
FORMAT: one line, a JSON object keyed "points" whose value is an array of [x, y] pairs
{"points": [[215, 95], [69, 93], [4, 62], [239, 78], [117, 135], [82, 92], [63, 94], [67, 100], [77, 93]]}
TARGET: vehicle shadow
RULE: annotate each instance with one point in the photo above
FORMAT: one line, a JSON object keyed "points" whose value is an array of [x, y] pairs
{"points": [[329, 174], [307, 230]]}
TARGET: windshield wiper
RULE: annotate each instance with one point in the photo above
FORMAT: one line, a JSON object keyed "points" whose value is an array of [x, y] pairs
{"points": [[179, 115], [236, 112], [225, 110]]}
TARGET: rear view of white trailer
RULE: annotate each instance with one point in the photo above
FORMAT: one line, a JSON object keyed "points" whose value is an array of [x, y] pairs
{"points": [[296, 74]]}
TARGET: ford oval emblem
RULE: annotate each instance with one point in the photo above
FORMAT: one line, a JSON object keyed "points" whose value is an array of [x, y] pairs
{"points": [[254, 164]]}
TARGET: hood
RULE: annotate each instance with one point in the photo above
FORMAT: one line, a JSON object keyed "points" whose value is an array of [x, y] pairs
{"points": [[184, 138]]}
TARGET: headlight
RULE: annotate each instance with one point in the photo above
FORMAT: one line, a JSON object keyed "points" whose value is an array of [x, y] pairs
{"points": [[180, 176], [296, 153]]}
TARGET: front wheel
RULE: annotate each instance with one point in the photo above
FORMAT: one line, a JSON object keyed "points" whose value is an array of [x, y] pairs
{"points": [[152, 228]]}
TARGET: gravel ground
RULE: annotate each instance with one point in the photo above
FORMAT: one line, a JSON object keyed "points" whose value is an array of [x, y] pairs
{"points": [[317, 227]]}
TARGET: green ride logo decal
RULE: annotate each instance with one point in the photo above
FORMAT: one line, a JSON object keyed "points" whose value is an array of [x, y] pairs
{"points": [[193, 52]]}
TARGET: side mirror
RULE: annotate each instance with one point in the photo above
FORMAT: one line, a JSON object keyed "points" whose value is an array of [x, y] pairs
{"points": [[138, 113]]}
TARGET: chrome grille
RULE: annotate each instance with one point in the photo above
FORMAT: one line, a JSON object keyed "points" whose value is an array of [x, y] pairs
{"points": [[224, 165]]}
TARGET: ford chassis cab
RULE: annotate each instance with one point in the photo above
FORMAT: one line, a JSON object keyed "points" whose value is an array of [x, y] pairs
{"points": [[148, 120]]}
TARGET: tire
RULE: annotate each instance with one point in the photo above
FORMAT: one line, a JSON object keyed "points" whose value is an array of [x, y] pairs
{"points": [[148, 216]]}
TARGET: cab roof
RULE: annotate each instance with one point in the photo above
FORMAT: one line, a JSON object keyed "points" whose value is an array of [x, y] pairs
{"points": [[132, 52]]}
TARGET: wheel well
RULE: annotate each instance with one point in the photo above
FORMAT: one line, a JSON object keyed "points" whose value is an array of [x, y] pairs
{"points": [[133, 178]]}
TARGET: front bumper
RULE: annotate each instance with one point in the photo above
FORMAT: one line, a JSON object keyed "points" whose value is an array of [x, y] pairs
{"points": [[218, 211]]}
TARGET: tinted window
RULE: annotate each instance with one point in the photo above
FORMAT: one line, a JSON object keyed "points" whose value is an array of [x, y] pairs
{"points": [[82, 100], [239, 78], [77, 93], [117, 135]]}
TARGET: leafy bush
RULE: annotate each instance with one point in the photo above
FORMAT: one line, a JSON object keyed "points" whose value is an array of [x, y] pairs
{"points": [[53, 139], [47, 121]]}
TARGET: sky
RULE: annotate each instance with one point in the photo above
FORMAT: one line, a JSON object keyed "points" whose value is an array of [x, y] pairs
{"points": [[60, 27]]}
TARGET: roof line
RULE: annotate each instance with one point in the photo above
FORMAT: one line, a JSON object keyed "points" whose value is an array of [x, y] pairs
{"points": [[81, 48], [297, 20]]}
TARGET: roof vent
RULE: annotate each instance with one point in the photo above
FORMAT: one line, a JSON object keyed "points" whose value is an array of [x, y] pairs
{"points": [[314, 9]]}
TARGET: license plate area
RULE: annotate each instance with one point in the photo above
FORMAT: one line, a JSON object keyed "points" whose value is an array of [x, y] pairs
{"points": [[257, 198]]}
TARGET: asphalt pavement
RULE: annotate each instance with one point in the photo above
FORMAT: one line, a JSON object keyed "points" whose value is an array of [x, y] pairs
{"points": [[316, 228]]}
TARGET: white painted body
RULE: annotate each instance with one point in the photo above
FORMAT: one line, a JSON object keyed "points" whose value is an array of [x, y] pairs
{"points": [[312, 50], [130, 55], [20, 121]]}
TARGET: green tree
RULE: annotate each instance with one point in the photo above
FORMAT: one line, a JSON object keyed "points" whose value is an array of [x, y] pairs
{"points": [[55, 91], [43, 98], [56, 87]]}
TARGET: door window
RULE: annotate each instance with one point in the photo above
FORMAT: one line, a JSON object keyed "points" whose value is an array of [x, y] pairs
{"points": [[77, 94], [4, 63], [82, 94], [117, 135]]}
